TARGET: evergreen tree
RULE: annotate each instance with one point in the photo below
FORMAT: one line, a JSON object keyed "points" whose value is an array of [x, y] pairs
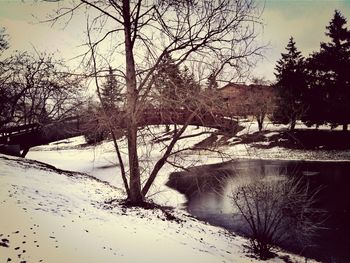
{"points": [[290, 86], [190, 89], [333, 63], [317, 95], [111, 91], [168, 82], [176, 87]]}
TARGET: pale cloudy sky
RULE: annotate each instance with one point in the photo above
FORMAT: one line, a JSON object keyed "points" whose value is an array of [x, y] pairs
{"points": [[305, 20], [21, 20]]}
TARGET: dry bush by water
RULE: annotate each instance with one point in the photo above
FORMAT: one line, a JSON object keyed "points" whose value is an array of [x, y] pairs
{"points": [[276, 210]]}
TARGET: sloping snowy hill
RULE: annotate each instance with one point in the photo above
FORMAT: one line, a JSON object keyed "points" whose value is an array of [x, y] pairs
{"points": [[50, 215]]}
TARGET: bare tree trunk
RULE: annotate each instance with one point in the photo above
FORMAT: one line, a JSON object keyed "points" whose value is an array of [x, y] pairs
{"points": [[165, 156], [110, 127], [345, 127], [292, 125], [25, 151], [260, 119], [260, 125], [167, 128], [135, 181]]}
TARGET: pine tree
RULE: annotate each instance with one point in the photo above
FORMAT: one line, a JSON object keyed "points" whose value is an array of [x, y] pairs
{"points": [[190, 89], [317, 95], [290, 86], [111, 91], [176, 87], [334, 64], [168, 82]]}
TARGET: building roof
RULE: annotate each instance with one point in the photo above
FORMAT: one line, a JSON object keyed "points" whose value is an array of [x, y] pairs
{"points": [[240, 89]]}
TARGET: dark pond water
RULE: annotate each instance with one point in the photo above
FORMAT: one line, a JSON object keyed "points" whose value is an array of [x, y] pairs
{"points": [[208, 188]]}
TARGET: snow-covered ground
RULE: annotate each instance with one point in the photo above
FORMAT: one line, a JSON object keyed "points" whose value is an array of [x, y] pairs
{"points": [[249, 151], [62, 218], [101, 161], [48, 215]]}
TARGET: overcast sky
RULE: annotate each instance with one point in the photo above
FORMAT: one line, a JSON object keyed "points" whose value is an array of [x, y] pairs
{"points": [[305, 20]]}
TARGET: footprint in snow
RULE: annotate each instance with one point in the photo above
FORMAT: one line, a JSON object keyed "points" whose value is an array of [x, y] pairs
{"points": [[4, 242]]}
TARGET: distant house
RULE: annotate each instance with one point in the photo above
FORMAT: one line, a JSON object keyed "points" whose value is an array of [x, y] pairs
{"points": [[242, 99]]}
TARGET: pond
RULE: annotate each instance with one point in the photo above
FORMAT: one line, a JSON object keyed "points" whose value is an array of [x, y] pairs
{"points": [[208, 189]]}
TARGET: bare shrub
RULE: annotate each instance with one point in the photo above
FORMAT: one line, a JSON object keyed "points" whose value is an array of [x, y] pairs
{"points": [[275, 210]]}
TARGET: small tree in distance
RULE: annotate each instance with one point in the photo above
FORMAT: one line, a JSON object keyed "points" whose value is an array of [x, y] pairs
{"points": [[111, 91], [263, 101]]}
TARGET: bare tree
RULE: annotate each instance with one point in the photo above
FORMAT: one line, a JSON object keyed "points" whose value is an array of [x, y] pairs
{"points": [[262, 102], [142, 33], [276, 209], [38, 89]]}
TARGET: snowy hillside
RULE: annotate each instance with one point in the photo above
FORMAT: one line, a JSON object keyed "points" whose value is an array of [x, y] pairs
{"points": [[49, 215]]}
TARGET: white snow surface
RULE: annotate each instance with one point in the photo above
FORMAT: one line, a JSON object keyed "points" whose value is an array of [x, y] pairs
{"points": [[49, 208], [245, 151], [49, 215]]}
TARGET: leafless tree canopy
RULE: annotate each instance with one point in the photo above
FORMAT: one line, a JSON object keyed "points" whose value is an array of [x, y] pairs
{"points": [[36, 89], [135, 36]]}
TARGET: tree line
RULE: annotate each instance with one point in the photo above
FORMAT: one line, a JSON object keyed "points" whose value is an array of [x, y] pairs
{"points": [[316, 89]]}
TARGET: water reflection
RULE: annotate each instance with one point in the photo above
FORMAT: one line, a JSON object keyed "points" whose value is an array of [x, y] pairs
{"points": [[208, 188]]}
